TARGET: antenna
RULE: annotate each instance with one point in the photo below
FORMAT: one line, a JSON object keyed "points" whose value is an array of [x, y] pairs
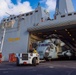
{"points": [[8, 13], [38, 3]]}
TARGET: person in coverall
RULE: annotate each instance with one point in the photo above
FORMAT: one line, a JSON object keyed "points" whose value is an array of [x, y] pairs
{"points": [[32, 50], [35, 51]]}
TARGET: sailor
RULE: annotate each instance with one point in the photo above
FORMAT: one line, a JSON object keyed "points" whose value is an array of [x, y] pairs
{"points": [[32, 50], [48, 18], [35, 51]]}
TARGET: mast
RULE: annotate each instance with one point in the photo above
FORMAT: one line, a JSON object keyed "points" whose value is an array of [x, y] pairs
{"points": [[64, 6]]}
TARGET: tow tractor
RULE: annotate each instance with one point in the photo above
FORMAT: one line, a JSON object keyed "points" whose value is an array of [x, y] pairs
{"points": [[27, 58]]}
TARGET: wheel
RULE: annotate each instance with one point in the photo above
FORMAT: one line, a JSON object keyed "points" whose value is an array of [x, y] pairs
{"points": [[17, 62], [34, 61]]}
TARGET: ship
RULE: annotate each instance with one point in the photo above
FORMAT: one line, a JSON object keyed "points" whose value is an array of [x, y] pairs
{"points": [[17, 32]]}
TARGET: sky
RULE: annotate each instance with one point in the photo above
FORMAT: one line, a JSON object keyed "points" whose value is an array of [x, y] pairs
{"points": [[16, 7]]}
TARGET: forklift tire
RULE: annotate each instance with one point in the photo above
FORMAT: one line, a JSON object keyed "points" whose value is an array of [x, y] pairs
{"points": [[34, 62], [17, 62]]}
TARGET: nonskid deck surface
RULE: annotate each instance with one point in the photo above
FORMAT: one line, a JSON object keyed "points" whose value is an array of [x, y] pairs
{"points": [[53, 63], [47, 68]]}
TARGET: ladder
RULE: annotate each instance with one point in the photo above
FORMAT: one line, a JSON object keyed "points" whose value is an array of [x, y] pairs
{"points": [[2, 40], [19, 22]]}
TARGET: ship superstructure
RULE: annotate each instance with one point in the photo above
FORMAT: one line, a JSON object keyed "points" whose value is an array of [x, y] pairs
{"points": [[17, 37]]}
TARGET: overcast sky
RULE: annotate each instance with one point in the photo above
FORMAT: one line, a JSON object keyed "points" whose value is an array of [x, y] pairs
{"points": [[22, 6]]}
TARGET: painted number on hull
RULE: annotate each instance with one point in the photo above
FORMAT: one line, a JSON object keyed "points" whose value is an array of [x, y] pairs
{"points": [[13, 39]]}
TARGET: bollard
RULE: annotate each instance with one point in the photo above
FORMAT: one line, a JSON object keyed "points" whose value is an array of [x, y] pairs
{"points": [[0, 57], [12, 57]]}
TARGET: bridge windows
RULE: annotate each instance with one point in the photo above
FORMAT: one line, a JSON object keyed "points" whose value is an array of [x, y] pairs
{"points": [[4, 20], [17, 16], [36, 10], [70, 14], [62, 16], [7, 19], [75, 13], [11, 18], [27, 14], [31, 13], [23, 15], [14, 17]]}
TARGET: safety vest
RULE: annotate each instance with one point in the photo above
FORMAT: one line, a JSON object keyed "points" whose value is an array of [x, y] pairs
{"points": [[35, 51]]}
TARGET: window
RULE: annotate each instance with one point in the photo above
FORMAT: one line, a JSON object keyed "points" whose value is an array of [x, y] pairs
{"points": [[27, 14], [24, 56], [14, 17], [4, 20], [36, 11], [7, 19], [22, 14], [17, 16], [63, 16], [31, 13], [11, 18], [75, 13], [44, 44], [69, 14]]}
